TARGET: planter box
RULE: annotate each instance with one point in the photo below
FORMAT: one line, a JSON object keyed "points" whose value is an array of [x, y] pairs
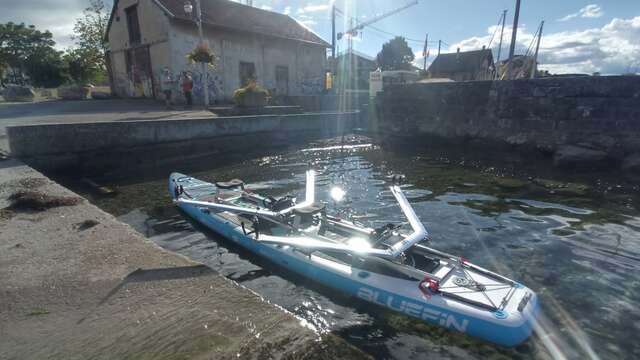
{"points": [[253, 100], [74, 92]]}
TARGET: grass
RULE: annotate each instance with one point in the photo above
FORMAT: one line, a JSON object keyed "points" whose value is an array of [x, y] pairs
{"points": [[38, 312]]}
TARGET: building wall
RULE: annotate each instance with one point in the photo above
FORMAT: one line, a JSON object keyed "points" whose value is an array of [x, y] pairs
{"points": [[154, 32], [306, 63], [353, 72], [169, 42]]}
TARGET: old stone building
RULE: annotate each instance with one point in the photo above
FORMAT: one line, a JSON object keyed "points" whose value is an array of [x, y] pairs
{"points": [[352, 70], [145, 36], [463, 66]]}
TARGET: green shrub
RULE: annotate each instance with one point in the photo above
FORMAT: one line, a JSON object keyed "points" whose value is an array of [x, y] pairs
{"points": [[240, 95]]}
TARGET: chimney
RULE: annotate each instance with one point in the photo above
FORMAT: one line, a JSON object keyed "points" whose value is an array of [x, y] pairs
{"points": [[458, 54], [484, 47]]}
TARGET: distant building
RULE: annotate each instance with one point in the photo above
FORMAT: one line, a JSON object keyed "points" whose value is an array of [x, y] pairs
{"points": [[380, 80], [352, 70], [463, 66], [145, 36]]}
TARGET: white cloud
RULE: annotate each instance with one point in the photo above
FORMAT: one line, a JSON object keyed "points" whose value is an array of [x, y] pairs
{"points": [[266, 7], [313, 8], [46, 15], [611, 49], [418, 60], [287, 10], [589, 11]]}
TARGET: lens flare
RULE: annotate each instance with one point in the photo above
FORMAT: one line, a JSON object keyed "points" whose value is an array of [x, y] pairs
{"points": [[359, 244], [337, 194]]}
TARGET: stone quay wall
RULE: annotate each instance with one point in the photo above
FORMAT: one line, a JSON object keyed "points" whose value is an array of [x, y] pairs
{"points": [[99, 146], [581, 121]]}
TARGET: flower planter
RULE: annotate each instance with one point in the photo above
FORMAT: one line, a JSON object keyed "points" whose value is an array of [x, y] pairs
{"points": [[253, 99]]}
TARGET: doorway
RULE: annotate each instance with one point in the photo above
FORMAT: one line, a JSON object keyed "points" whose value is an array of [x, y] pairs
{"points": [[282, 80], [138, 61], [247, 72]]}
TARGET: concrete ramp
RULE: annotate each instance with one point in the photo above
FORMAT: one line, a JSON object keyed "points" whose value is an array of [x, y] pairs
{"points": [[78, 284]]}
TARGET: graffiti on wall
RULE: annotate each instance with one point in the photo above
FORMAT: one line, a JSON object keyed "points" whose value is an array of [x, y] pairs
{"points": [[214, 84], [311, 85]]}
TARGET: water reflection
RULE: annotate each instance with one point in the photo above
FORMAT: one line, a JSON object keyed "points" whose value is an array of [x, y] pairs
{"points": [[580, 250]]}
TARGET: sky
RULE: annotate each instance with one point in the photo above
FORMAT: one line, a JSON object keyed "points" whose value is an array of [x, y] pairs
{"points": [[579, 36]]}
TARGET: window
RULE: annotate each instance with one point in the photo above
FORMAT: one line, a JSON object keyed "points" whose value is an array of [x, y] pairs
{"points": [[133, 25], [247, 72]]}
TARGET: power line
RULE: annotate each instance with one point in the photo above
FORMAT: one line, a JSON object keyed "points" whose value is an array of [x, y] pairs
{"points": [[392, 34], [495, 31], [384, 31]]}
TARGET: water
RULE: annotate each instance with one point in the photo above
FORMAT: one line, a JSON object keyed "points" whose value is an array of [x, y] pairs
{"points": [[577, 245]]}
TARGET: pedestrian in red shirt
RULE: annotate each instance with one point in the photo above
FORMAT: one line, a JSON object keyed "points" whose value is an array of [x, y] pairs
{"points": [[187, 87]]}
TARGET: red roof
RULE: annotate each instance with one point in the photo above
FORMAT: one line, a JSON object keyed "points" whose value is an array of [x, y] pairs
{"points": [[235, 16]]}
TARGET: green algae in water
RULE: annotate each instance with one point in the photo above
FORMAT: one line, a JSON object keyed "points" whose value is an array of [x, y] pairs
{"points": [[563, 232], [546, 244]]}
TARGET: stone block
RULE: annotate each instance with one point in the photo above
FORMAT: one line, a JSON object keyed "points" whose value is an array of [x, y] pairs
{"points": [[100, 95], [631, 164], [73, 92], [572, 156], [18, 93]]}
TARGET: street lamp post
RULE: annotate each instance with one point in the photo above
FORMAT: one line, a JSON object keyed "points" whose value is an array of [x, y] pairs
{"points": [[188, 8]]}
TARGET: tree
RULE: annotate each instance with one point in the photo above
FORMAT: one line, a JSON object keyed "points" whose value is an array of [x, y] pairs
{"points": [[19, 42], [88, 60], [46, 68], [80, 69], [395, 55], [24, 49]]}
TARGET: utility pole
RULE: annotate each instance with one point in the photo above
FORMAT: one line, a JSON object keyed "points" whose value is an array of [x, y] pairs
{"points": [[514, 35], [535, 57], [188, 8], [504, 20], [439, 46], [333, 37], [425, 52], [205, 75], [350, 39]]}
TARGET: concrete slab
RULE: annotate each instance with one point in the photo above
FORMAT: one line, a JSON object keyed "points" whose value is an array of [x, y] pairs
{"points": [[58, 111], [76, 283]]}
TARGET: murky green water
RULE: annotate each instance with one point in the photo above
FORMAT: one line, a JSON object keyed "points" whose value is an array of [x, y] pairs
{"points": [[576, 244]]}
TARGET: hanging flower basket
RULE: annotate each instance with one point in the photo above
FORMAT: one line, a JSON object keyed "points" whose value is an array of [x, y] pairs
{"points": [[202, 54]]}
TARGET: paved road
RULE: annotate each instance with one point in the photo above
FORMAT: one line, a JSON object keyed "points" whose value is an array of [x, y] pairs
{"points": [[86, 111]]}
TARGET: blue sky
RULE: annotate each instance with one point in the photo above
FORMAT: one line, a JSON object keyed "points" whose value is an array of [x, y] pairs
{"points": [[579, 36], [574, 35]]}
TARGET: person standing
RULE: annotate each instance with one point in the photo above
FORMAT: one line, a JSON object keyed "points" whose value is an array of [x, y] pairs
{"points": [[166, 84], [187, 87]]}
